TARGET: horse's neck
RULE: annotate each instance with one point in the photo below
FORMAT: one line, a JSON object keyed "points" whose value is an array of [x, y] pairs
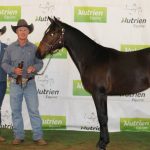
{"points": [[75, 59], [79, 46]]}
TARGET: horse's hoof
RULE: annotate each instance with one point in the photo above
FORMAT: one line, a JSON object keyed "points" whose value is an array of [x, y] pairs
{"points": [[100, 148]]}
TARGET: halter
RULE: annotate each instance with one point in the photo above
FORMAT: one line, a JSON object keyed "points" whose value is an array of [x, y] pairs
{"points": [[59, 41]]}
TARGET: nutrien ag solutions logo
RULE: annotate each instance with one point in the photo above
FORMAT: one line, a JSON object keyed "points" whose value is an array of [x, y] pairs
{"points": [[134, 15], [130, 47], [10, 13], [90, 14], [91, 121], [137, 97], [47, 8], [78, 89], [6, 120], [53, 122], [135, 124]]}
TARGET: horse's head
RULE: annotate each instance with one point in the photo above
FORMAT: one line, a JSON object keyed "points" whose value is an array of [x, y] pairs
{"points": [[53, 39]]}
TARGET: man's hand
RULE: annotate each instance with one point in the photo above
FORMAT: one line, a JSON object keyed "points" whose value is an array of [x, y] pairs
{"points": [[31, 69], [18, 71]]}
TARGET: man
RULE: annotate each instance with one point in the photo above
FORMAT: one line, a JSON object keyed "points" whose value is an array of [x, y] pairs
{"points": [[3, 77], [23, 51]]}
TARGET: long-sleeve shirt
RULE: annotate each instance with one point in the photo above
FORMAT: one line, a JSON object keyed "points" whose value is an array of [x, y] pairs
{"points": [[3, 75], [14, 54]]}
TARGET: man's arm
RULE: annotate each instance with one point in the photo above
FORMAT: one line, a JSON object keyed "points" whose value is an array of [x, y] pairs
{"points": [[6, 65]]}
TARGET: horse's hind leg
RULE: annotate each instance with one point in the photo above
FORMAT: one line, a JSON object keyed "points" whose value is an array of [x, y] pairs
{"points": [[100, 100]]}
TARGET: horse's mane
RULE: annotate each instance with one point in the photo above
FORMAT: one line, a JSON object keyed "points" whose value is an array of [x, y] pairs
{"points": [[89, 43], [78, 32]]}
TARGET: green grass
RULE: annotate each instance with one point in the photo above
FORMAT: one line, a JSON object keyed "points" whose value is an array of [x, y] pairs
{"points": [[76, 140]]}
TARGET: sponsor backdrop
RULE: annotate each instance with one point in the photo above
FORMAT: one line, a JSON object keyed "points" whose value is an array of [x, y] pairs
{"points": [[64, 104]]}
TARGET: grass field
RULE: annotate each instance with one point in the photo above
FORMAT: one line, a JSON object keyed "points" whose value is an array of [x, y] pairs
{"points": [[76, 140]]}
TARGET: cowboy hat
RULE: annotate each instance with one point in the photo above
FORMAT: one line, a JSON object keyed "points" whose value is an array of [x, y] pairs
{"points": [[22, 23], [2, 30]]}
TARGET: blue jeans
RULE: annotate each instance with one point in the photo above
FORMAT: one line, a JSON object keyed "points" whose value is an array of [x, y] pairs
{"points": [[31, 98], [3, 85]]}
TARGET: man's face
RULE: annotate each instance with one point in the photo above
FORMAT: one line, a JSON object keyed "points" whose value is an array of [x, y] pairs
{"points": [[22, 33]]}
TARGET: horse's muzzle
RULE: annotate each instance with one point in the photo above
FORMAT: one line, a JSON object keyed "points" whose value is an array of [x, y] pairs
{"points": [[38, 55]]}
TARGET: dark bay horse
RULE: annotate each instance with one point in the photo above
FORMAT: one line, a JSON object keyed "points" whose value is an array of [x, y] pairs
{"points": [[104, 71]]}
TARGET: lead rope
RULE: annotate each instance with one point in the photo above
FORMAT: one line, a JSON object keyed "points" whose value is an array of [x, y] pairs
{"points": [[23, 85], [45, 67], [39, 74]]}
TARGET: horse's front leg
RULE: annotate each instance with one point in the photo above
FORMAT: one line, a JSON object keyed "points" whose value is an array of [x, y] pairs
{"points": [[100, 100]]}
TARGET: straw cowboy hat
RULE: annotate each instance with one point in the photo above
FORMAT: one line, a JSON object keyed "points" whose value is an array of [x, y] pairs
{"points": [[22, 23], [2, 30]]}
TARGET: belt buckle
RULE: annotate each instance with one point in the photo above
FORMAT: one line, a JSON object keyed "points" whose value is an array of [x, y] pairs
{"points": [[12, 80], [24, 82]]}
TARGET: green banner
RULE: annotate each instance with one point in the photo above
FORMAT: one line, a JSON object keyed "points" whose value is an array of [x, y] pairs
{"points": [[10, 13], [90, 14], [8, 87], [78, 89], [130, 47], [135, 124], [61, 54], [53, 122]]}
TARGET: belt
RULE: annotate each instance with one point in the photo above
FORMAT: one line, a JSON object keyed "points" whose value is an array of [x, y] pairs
{"points": [[24, 80], [30, 78]]}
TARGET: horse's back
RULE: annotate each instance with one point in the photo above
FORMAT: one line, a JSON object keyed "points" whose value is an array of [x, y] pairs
{"points": [[130, 71], [131, 58], [121, 72]]}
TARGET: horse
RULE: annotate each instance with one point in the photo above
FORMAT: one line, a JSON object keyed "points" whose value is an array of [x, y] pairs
{"points": [[104, 71]]}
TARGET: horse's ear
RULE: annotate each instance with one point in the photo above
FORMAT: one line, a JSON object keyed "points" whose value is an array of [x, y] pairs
{"points": [[55, 18], [50, 19], [57, 21]]}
